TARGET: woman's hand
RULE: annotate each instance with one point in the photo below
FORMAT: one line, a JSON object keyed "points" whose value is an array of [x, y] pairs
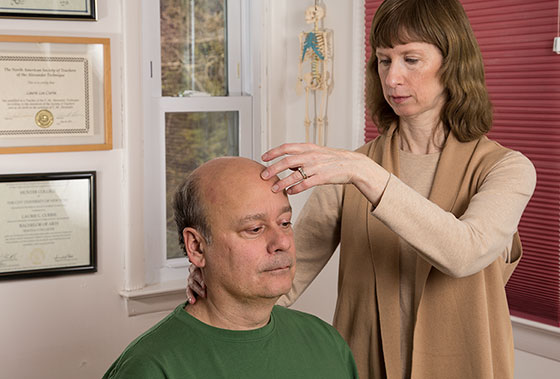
{"points": [[314, 165], [195, 284], [320, 165]]}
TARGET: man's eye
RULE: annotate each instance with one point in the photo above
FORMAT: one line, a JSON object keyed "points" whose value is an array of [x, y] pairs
{"points": [[287, 224], [255, 230]]}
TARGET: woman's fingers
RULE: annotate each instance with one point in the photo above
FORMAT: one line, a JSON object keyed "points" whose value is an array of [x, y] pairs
{"points": [[303, 185], [311, 165], [287, 149], [195, 284], [294, 155], [191, 297], [297, 176]]}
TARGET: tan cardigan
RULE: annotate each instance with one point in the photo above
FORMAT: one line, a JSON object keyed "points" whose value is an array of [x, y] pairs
{"points": [[462, 327]]}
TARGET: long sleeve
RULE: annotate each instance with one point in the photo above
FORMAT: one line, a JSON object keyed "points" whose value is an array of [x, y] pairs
{"points": [[317, 234], [462, 246]]}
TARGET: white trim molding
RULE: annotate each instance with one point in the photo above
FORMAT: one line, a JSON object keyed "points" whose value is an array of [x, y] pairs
{"points": [[358, 73], [160, 297], [536, 338]]}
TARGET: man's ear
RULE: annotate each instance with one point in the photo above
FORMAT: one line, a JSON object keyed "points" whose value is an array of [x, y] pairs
{"points": [[195, 245]]}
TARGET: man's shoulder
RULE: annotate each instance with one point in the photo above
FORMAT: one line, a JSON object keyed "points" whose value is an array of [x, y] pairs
{"points": [[159, 333], [146, 351], [291, 318]]}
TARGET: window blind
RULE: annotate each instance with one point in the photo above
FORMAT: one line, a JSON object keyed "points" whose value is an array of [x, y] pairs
{"points": [[523, 79], [371, 6]]}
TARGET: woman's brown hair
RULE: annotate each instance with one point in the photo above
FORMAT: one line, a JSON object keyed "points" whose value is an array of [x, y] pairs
{"points": [[443, 23]]}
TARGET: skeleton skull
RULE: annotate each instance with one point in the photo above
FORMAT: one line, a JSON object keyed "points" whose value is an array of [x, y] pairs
{"points": [[314, 14]]}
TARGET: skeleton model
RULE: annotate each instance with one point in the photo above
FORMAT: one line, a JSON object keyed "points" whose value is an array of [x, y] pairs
{"points": [[316, 53]]}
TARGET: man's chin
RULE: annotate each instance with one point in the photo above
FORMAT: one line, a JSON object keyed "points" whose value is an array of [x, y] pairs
{"points": [[276, 291]]}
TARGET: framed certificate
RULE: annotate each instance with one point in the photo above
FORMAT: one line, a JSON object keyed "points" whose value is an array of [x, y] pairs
{"points": [[47, 224], [50, 9], [56, 94]]}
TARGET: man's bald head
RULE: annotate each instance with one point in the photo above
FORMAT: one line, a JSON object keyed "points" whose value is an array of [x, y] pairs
{"points": [[212, 186]]}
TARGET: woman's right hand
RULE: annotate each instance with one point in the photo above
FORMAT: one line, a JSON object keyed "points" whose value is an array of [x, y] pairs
{"points": [[313, 165], [195, 284]]}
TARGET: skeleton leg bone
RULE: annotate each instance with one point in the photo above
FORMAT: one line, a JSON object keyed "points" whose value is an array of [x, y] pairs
{"points": [[307, 121]]}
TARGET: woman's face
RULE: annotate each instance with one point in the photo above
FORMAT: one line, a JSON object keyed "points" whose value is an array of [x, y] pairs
{"points": [[410, 79]]}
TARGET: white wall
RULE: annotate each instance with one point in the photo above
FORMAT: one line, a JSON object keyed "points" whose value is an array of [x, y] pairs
{"points": [[74, 326]]}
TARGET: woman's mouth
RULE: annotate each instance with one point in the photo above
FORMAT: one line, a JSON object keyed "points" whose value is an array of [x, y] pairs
{"points": [[399, 99]]}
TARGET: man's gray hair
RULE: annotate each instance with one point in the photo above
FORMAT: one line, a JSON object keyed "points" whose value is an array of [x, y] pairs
{"points": [[190, 210]]}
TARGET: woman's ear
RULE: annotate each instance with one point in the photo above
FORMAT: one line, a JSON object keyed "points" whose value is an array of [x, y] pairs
{"points": [[194, 245]]}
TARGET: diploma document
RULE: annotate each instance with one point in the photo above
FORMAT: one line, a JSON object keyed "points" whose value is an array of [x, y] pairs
{"points": [[45, 224], [47, 8], [45, 95]]}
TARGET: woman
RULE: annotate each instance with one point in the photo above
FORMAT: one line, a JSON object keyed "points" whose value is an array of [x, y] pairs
{"points": [[426, 214]]}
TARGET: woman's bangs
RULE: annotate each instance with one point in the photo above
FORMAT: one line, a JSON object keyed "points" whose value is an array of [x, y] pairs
{"points": [[398, 29]]}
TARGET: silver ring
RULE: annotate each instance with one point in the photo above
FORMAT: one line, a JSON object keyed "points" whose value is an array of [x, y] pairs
{"points": [[303, 174]]}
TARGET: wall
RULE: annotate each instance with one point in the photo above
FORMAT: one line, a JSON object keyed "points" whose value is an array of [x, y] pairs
{"points": [[74, 326]]}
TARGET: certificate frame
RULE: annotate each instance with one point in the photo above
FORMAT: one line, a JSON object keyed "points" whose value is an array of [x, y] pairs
{"points": [[85, 10], [47, 224], [85, 84]]}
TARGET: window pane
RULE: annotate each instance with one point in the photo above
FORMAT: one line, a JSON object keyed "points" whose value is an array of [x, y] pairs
{"points": [[190, 140], [193, 47]]}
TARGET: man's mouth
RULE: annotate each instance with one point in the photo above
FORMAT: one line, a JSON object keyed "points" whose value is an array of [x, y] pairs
{"points": [[281, 265]]}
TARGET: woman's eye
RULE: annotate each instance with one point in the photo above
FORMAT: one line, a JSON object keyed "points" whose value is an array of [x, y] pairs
{"points": [[384, 62], [411, 60]]}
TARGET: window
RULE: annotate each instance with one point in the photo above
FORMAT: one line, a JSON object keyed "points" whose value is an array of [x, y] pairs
{"points": [[197, 107]]}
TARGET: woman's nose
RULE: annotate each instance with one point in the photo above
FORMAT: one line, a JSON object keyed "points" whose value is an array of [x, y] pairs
{"points": [[394, 75]]}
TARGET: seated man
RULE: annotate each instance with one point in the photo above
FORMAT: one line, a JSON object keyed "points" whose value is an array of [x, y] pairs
{"points": [[239, 233]]}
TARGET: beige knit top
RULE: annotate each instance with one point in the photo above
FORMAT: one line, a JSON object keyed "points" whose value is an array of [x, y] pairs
{"points": [[417, 171]]}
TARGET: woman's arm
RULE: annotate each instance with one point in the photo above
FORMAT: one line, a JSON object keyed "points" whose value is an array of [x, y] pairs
{"points": [[462, 246]]}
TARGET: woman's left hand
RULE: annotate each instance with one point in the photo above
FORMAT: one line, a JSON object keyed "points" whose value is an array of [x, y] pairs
{"points": [[314, 165]]}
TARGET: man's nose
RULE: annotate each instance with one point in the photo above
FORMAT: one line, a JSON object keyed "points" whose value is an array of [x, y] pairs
{"points": [[280, 239]]}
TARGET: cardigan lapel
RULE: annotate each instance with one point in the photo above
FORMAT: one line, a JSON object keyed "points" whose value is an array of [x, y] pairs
{"points": [[449, 177], [384, 247]]}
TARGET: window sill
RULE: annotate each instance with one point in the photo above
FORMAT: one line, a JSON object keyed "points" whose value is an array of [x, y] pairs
{"points": [[536, 338], [155, 298]]}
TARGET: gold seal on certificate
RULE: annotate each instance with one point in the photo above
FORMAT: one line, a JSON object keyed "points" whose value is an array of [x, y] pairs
{"points": [[44, 118], [37, 256]]}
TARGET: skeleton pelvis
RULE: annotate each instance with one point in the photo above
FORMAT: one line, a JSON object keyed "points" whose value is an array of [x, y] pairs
{"points": [[314, 81]]}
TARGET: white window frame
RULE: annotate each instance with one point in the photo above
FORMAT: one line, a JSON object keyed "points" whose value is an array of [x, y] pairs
{"points": [[158, 267], [164, 279]]}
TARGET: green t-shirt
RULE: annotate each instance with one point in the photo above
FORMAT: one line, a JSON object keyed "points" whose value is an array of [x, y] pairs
{"points": [[293, 345]]}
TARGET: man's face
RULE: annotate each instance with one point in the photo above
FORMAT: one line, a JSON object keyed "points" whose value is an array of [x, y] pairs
{"points": [[252, 255]]}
